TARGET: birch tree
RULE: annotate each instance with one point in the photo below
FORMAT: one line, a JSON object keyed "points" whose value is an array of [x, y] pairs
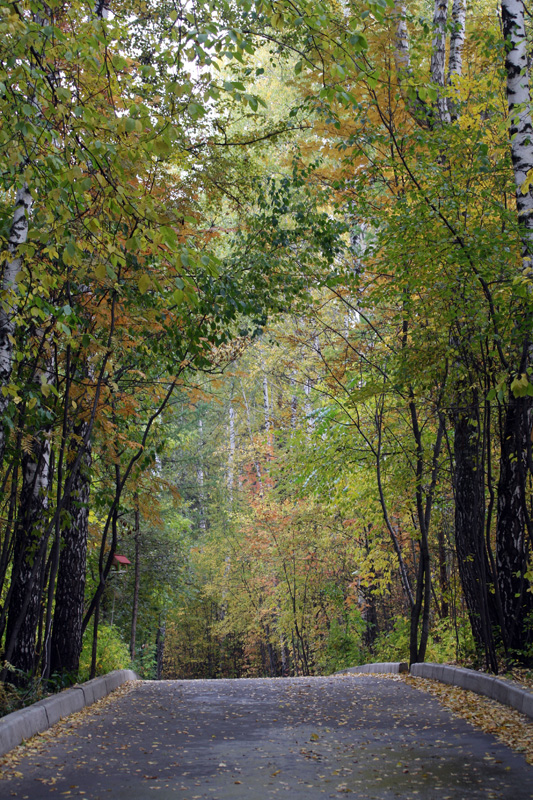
{"points": [[515, 531]]}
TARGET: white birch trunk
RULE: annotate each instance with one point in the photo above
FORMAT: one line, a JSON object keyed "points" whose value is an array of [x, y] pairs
{"points": [[457, 39], [266, 405], [438, 50], [402, 61], [438, 56], [308, 407], [511, 540], [268, 424], [30, 544], [9, 305], [200, 478], [520, 127], [294, 406], [231, 453], [402, 56]]}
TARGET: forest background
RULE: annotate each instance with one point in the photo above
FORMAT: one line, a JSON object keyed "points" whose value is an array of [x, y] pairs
{"points": [[265, 337]]}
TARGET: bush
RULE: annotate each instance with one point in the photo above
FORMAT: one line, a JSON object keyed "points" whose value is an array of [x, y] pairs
{"points": [[343, 646], [144, 663], [112, 652], [12, 698], [392, 645], [446, 642]]}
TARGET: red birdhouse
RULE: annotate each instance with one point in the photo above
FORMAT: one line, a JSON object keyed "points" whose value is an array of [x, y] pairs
{"points": [[120, 561]]}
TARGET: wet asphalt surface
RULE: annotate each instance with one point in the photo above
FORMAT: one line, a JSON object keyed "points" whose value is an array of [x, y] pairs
{"points": [[259, 739]]}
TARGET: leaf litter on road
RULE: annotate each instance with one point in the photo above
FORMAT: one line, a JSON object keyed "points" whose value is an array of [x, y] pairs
{"points": [[505, 723], [37, 743]]}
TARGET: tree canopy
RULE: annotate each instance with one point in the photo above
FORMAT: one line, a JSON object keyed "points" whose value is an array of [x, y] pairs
{"points": [[265, 330]]}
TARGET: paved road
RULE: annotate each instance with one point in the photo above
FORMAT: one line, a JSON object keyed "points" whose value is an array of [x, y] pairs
{"points": [[297, 738]]}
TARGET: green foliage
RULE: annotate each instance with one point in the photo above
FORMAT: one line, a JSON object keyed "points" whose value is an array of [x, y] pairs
{"points": [[29, 690], [393, 645], [344, 646], [145, 662], [112, 652], [449, 641]]}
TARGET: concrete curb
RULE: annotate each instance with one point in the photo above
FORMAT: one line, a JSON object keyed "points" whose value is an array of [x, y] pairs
{"points": [[478, 682], [394, 666], [21, 725]]}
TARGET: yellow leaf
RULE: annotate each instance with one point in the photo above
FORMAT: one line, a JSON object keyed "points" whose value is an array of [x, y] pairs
{"points": [[144, 283], [100, 272], [527, 183]]}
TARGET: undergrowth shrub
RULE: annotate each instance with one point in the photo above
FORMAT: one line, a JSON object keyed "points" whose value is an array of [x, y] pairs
{"points": [[112, 652], [145, 663], [343, 648], [446, 642]]}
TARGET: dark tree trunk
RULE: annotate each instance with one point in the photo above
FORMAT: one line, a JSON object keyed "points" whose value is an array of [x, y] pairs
{"points": [[512, 540], [68, 615], [94, 650], [370, 617], [420, 610], [160, 649], [472, 558], [28, 557], [443, 574], [137, 580]]}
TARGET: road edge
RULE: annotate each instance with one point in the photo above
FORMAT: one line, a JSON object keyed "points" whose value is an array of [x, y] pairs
{"points": [[478, 682], [23, 724], [470, 679], [395, 667]]}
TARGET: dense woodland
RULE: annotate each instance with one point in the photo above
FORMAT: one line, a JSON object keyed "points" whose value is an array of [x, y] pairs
{"points": [[266, 335]]}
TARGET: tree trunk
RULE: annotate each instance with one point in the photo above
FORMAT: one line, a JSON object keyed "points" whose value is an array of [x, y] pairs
{"points": [[94, 651], [160, 649], [68, 615], [520, 126], [137, 580], [438, 56], [444, 582], [512, 542], [472, 559], [9, 305], [512, 546], [457, 39], [29, 554], [231, 454]]}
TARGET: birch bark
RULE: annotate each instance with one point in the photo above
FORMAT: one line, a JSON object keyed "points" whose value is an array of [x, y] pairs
{"points": [[31, 536], [231, 453], [438, 56], [520, 127], [512, 546], [9, 305], [404, 72], [457, 39]]}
